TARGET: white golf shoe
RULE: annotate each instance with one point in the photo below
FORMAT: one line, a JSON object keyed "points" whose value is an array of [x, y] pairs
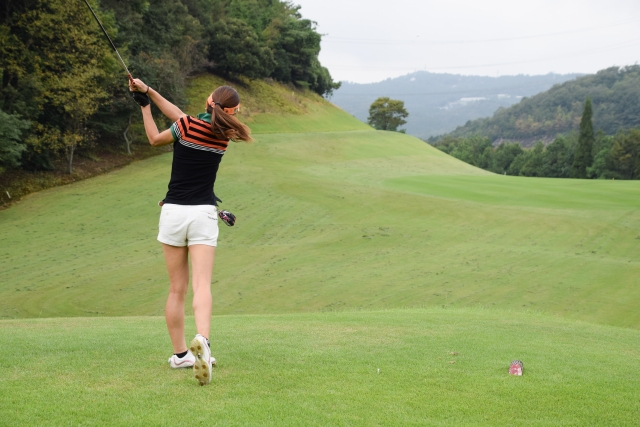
{"points": [[203, 359], [185, 362]]}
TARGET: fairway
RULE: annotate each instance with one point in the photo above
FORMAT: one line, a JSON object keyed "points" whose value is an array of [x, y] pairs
{"points": [[335, 221], [573, 194], [354, 250], [398, 367]]}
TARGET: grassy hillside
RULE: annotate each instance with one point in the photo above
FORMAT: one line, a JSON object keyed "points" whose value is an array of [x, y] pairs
{"points": [[271, 107], [334, 220], [340, 229], [399, 367]]}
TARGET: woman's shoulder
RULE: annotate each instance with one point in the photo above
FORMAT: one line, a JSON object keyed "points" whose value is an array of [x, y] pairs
{"points": [[187, 121]]}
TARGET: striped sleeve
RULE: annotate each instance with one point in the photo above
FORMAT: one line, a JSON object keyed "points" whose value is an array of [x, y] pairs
{"points": [[174, 131]]}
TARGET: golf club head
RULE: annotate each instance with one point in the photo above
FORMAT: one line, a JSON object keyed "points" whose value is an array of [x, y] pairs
{"points": [[227, 217]]}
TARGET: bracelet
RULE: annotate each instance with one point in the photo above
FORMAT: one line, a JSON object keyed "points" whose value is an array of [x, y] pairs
{"points": [[148, 87]]}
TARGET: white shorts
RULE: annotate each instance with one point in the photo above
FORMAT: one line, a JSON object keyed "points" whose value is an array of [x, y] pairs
{"points": [[186, 225]]}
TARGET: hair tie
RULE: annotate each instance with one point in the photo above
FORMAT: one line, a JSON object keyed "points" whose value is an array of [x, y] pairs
{"points": [[211, 103]]}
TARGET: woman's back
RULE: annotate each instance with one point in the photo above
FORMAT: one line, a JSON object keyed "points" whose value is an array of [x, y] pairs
{"points": [[196, 157]]}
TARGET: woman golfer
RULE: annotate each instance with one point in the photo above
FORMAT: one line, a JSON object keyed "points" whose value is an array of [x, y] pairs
{"points": [[188, 221]]}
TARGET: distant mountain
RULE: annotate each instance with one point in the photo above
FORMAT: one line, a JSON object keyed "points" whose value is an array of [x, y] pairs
{"points": [[438, 103], [615, 93]]}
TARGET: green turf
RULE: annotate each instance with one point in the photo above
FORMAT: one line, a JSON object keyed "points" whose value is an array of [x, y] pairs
{"points": [[322, 369], [335, 220], [506, 191]]}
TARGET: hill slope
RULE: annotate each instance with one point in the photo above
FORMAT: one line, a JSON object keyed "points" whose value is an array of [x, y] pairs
{"points": [[438, 102], [400, 367], [615, 93], [335, 220], [271, 107]]}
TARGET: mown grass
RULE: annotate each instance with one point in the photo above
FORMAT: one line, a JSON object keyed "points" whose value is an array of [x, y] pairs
{"points": [[436, 367], [335, 220]]}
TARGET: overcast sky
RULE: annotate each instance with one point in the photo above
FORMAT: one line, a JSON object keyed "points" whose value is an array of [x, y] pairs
{"points": [[370, 40]]}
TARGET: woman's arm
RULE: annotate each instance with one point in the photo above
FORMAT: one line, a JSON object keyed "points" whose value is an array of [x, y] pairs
{"points": [[155, 138], [167, 108]]}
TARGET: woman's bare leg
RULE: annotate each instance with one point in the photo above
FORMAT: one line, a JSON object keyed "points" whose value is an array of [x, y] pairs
{"points": [[201, 270], [178, 269]]}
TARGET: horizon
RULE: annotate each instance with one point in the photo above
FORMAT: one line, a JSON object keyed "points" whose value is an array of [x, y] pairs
{"points": [[479, 75]]}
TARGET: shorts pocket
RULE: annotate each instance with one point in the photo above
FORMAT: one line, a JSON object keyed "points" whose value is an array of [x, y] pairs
{"points": [[171, 217]]}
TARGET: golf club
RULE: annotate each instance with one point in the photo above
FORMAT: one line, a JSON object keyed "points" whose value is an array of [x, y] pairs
{"points": [[110, 41]]}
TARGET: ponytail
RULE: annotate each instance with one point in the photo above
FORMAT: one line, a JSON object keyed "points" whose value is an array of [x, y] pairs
{"points": [[223, 124]]}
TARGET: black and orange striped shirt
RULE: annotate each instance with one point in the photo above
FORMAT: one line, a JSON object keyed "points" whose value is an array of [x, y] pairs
{"points": [[196, 157], [196, 133]]}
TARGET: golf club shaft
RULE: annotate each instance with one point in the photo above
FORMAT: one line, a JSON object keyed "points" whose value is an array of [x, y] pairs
{"points": [[110, 41]]}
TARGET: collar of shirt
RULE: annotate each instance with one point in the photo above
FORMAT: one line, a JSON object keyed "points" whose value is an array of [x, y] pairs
{"points": [[205, 117]]}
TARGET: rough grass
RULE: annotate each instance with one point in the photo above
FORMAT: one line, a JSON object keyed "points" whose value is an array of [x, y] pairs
{"points": [[436, 367], [271, 107]]}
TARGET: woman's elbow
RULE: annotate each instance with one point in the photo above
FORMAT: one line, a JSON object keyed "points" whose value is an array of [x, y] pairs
{"points": [[160, 140], [155, 140]]}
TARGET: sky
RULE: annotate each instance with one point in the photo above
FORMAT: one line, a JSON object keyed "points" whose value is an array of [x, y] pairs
{"points": [[366, 41]]}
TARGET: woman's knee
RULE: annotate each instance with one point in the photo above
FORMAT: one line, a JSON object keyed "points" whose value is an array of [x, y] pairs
{"points": [[178, 289], [202, 289]]}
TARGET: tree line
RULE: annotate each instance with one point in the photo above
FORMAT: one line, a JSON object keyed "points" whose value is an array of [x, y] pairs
{"points": [[582, 154], [62, 89], [615, 91]]}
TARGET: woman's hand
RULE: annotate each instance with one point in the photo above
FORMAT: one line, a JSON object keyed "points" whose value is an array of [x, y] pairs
{"points": [[137, 85], [139, 91]]}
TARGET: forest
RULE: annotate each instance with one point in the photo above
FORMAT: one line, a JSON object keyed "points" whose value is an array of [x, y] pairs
{"points": [[615, 93], [613, 156], [63, 90], [539, 136]]}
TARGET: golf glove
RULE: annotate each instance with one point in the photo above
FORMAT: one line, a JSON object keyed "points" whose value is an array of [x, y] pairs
{"points": [[141, 98]]}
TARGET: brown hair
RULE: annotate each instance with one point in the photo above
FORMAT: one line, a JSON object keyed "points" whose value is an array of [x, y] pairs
{"points": [[224, 125]]}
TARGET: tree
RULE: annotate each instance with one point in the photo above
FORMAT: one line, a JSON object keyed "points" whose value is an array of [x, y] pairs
{"points": [[626, 154], [235, 49], [603, 165], [504, 155], [518, 163], [295, 44], [11, 147], [558, 158], [53, 65], [387, 114], [584, 156], [535, 161]]}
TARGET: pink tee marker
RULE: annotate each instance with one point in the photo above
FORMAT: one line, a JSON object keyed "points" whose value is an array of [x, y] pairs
{"points": [[516, 368]]}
